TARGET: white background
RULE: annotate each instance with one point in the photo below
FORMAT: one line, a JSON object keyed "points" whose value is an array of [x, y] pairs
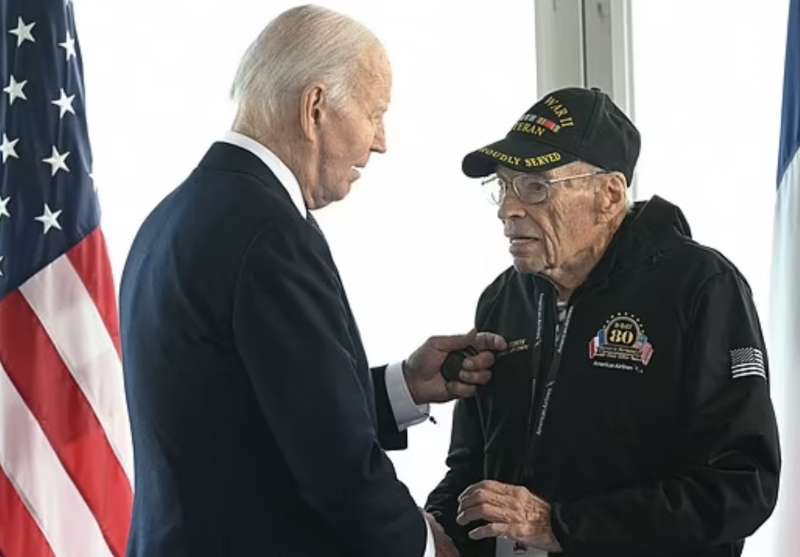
{"points": [[415, 241]]}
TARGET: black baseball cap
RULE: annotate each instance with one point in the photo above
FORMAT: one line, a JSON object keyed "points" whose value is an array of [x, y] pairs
{"points": [[564, 126]]}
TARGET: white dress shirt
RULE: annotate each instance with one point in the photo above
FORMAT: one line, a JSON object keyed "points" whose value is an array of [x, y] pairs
{"points": [[406, 412]]}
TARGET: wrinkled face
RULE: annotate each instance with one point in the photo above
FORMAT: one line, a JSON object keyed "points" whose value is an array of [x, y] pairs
{"points": [[353, 132], [555, 234]]}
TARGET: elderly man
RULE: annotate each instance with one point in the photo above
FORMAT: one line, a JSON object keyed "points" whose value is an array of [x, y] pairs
{"points": [[258, 426], [630, 415]]}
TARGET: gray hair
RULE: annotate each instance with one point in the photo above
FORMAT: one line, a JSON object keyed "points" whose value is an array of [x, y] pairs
{"points": [[302, 45], [629, 201]]}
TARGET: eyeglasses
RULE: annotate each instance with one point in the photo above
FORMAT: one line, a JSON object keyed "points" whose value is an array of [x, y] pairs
{"points": [[527, 188]]}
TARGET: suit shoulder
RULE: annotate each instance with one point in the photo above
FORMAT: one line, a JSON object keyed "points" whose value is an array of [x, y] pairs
{"points": [[214, 215], [248, 198]]}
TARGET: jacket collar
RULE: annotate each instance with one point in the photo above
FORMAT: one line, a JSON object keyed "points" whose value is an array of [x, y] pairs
{"points": [[282, 172], [226, 157]]}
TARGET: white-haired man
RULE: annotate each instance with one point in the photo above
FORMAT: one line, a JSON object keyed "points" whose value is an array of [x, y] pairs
{"points": [[258, 426]]}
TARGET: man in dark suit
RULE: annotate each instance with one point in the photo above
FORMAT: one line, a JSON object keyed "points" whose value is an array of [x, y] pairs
{"points": [[258, 426]]}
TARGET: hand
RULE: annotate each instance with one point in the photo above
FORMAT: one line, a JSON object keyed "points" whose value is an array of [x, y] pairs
{"points": [[444, 545], [426, 383], [510, 511]]}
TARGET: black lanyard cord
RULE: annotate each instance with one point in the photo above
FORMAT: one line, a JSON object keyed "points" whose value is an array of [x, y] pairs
{"points": [[552, 376]]}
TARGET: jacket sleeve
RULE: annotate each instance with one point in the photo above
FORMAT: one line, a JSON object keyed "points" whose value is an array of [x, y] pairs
{"points": [[465, 467], [390, 437], [726, 484], [288, 326]]}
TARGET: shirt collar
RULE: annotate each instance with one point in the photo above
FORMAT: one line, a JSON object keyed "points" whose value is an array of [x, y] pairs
{"points": [[276, 165]]}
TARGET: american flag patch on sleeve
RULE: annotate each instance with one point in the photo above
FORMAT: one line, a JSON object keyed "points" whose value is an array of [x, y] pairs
{"points": [[747, 361]]}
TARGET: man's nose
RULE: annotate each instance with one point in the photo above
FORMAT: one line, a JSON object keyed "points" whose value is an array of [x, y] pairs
{"points": [[510, 206]]}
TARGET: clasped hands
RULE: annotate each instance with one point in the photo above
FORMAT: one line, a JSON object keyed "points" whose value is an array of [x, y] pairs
{"points": [[511, 511]]}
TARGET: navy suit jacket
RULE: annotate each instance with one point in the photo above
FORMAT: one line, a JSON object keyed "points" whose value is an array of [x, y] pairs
{"points": [[258, 426]]}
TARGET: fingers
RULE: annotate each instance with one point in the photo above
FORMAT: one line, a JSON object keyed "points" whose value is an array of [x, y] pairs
{"points": [[489, 512], [453, 342], [476, 369], [467, 383], [478, 498], [483, 504], [489, 341], [483, 341], [492, 530], [475, 377], [488, 486], [458, 389], [482, 360], [509, 510]]}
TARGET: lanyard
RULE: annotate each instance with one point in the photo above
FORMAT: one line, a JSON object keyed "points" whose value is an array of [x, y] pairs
{"points": [[552, 375]]}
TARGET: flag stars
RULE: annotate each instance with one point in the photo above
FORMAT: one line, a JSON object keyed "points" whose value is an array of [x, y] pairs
{"points": [[23, 32], [69, 46], [64, 102], [57, 161], [49, 219], [8, 148], [1, 266], [4, 207], [15, 91]]}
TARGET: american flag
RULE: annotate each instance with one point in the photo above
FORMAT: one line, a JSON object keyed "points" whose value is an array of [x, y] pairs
{"points": [[66, 474]]}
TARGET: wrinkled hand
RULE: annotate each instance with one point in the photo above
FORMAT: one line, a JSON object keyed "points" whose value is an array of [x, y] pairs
{"points": [[426, 383], [444, 545], [510, 511]]}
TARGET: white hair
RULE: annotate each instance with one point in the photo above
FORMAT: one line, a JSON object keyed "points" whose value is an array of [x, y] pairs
{"points": [[302, 45], [629, 201]]}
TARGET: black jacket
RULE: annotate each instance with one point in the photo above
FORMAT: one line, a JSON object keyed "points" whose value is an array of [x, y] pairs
{"points": [[255, 416], [651, 431]]}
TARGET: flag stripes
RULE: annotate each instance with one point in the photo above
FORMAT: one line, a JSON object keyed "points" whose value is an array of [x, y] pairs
{"points": [[50, 496], [63, 399]]}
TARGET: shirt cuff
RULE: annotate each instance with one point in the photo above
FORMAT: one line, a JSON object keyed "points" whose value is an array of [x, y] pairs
{"points": [[406, 412], [430, 545]]}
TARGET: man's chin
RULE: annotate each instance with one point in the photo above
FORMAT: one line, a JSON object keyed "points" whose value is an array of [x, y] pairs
{"points": [[332, 195], [524, 265], [344, 190]]}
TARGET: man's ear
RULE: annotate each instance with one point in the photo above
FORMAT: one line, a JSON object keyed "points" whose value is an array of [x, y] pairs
{"points": [[312, 110], [610, 197]]}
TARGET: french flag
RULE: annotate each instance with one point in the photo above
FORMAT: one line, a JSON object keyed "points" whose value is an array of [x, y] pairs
{"points": [[785, 293]]}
